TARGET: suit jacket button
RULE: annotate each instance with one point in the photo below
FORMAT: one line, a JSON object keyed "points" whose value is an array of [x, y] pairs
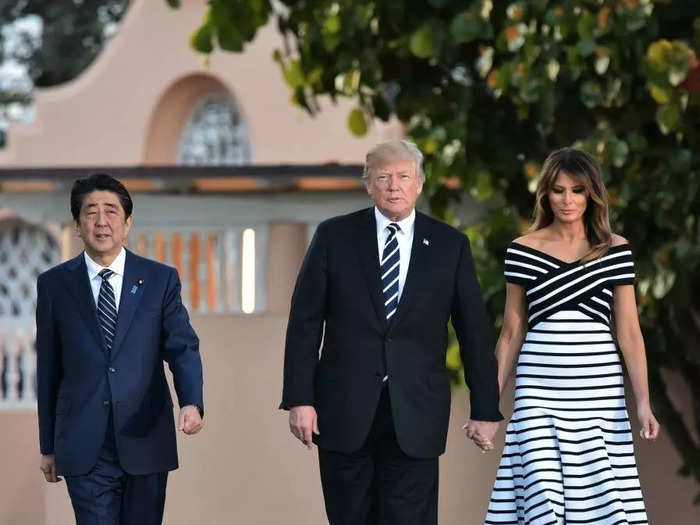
{"points": [[112, 369], [389, 340], [105, 403]]}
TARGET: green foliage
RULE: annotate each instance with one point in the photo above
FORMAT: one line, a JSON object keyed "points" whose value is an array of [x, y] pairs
{"points": [[232, 23], [72, 35], [487, 89]]}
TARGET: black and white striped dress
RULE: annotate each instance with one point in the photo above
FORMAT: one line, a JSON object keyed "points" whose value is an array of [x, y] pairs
{"points": [[568, 455]]}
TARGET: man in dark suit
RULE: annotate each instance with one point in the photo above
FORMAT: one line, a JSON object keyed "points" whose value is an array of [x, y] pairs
{"points": [[376, 289], [106, 321]]}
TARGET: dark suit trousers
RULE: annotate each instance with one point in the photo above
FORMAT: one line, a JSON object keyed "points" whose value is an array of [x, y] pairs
{"points": [[109, 496], [379, 484]]}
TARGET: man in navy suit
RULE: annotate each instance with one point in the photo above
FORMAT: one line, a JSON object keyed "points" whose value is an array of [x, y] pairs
{"points": [[106, 321]]}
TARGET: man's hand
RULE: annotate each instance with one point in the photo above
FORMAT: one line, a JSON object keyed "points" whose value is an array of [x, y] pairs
{"points": [[48, 467], [482, 433], [190, 422], [302, 422]]}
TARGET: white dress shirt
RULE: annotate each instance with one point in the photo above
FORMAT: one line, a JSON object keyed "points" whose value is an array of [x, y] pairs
{"points": [[404, 237], [116, 279]]}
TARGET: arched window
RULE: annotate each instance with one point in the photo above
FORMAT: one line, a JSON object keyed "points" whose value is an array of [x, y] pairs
{"points": [[214, 134], [25, 251]]}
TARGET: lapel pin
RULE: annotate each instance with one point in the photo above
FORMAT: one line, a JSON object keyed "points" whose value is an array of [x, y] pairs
{"points": [[136, 287], [426, 242]]}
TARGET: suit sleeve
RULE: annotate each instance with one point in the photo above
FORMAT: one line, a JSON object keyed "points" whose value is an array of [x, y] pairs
{"points": [[473, 330], [49, 367], [181, 347], [305, 327]]}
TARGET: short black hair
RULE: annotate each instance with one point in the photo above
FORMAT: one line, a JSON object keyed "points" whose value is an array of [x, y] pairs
{"points": [[98, 182]]}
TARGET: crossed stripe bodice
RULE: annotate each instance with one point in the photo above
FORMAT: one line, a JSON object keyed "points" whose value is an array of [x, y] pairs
{"points": [[552, 285]]}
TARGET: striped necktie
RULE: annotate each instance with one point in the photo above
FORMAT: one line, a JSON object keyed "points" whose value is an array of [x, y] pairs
{"points": [[389, 268], [107, 308]]}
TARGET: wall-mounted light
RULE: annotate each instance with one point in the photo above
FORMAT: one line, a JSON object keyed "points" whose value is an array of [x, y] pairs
{"points": [[248, 271]]}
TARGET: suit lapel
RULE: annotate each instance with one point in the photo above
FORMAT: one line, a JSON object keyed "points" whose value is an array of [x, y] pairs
{"points": [[132, 291], [417, 266], [78, 286], [367, 247]]}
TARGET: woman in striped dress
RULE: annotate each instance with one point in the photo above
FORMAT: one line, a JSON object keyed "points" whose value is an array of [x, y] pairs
{"points": [[568, 456]]}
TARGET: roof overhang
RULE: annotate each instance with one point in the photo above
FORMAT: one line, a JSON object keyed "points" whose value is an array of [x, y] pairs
{"points": [[192, 179]]}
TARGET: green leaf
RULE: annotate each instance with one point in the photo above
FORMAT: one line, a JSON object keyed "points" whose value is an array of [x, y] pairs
{"points": [[657, 55], [175, 4], [453, 359], [584, 26], [553, 17], [426, 40], [484, 63], [574, 62], [299, 98], [681, 162], [668, 117], [229, 38], [505, 73], [332, 25], [293, 74], [637, 141], [663, 283], [530, 89], [539, 5], [482, 189], [619, 153], [659, 94], [591, 94], [465, 27], [381, 107], [357, 122], [676, 74], [586, 47], [636, 20], [202, 39]]}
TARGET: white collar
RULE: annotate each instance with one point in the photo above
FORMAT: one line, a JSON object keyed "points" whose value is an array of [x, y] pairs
{"points": [[117, 265], [405, 225]]}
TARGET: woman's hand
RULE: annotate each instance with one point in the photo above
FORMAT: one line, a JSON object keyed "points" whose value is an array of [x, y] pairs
{"points": [[650, 426]]}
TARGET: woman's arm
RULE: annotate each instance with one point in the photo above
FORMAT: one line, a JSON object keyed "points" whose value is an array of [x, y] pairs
{"points": [[512, 332], [629, 337]]}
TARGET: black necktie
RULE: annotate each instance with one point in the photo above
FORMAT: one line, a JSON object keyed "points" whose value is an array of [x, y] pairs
{"points": [[107, 308]]}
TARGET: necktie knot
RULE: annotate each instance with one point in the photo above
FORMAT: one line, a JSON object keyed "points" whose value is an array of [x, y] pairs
{"points": [[106, 274], [393, 228]]}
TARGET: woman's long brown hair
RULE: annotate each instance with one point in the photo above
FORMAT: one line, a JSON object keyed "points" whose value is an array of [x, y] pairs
{"points": [[584, 168]]}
